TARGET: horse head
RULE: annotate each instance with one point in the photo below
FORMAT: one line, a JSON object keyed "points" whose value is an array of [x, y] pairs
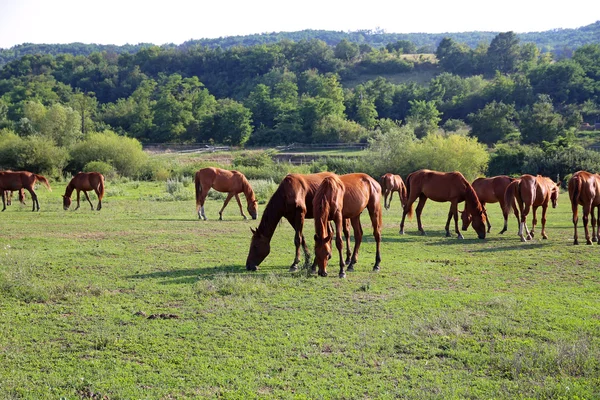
{"points": [[477, 218], [554, 195], [253, 208], [322, 253], [260, 247], [66, 202]]}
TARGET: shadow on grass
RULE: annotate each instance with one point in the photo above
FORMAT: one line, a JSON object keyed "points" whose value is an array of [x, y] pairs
{"points": [[191, 275]]}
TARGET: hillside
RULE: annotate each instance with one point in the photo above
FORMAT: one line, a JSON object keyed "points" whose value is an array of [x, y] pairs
{"points": [[560, 41]]}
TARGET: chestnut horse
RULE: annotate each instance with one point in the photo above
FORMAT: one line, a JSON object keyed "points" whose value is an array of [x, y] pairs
{"points": [[231, 182], [584, 190], [441, 187], [328, 205], [491, 190], [293, 200], [85, 182], [9, 194], [19, 180], [528, 192], [391, 183]]}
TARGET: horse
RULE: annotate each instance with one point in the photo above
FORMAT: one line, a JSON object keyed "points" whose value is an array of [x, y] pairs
{"points": [[391, 183], [9, 194], [328, 204], [231, 182], [528, 192], [441, 187], [584, 190], [293, 200], [491, 190], [85, 182], [17, 180]]}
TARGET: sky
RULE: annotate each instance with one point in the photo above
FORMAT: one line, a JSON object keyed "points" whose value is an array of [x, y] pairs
{"points": [[176, 21]]}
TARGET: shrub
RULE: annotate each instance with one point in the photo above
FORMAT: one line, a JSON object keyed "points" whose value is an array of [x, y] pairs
{"points": [[32, 153], [100, 166], [124, 154]]}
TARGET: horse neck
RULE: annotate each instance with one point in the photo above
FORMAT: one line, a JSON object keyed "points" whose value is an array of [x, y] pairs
{"points": [[69, 190], [272, 214], [321, 215], [248, 192], [471, 200]]}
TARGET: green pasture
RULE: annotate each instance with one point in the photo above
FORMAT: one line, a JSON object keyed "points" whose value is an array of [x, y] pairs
{"points": [[143, 301]]}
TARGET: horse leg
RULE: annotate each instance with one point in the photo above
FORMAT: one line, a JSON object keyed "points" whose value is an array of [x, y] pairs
{"points": [[454, 208], [385, 197], [544, 210], [229, 196], [594, 219], [450, 215], [339, 243], [88, 199], [376, 222], [4, 200], [346, 227], [200, 198], [587, 209], [531, 234], [390, 200], [524, 232], [358, 234], [99, 200], [487, 219], [34, 200], [575, 219], [419, 210], [299, 242], [237, 197]]}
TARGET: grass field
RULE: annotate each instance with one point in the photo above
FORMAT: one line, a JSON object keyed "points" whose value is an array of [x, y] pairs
{"points": [[143, 300]]}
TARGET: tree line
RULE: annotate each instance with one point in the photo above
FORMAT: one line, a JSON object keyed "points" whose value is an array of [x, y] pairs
{"points": [[505, 92]]}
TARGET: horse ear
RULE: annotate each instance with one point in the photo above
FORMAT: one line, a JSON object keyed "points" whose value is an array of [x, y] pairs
{"points": [[253, 230], [461, 212]]}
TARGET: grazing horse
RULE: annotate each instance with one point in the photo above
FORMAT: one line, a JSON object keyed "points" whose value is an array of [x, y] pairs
{"points": [[441, 187], [231, 182], [391, 183], [19, 180], [85, 182], [293, 200], [584, 190], [9, 194], [491, 190], [328, 204], [528, 192]]}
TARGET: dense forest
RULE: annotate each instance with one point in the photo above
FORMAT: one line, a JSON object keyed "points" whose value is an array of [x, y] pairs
{"points": [[505, 93]]}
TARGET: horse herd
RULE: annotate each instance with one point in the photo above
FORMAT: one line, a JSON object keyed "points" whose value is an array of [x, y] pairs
{"points": [[337, 201], [11, 181], [334, 201]]}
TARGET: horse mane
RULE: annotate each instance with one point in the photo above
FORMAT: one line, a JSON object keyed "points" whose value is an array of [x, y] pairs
{"points": [[471, 199], [274, 210], [247, 189]]}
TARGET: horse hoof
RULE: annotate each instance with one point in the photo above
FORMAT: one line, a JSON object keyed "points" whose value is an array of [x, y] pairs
{"points": [[252, 268], [448, 234], [575, 242], [587, 242], [350, 268], [342, 275], [401, 231], [323, 274], [460, 237], [376, 268], [544, 236], [294, 268]]}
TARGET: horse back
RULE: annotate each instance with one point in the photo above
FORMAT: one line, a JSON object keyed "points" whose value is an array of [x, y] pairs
{"points": [[361, 191]]}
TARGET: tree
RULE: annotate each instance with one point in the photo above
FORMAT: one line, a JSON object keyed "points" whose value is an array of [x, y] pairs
{"points": [[503, 53], [86, 105], [540, 123], [423, 116], [454, 57], [346, 50], [230, 124], [493, 122]]}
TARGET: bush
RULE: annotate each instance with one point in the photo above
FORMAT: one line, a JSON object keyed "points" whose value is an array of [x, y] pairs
{"points": [[32, 153], [100, 166], [124, 154]]}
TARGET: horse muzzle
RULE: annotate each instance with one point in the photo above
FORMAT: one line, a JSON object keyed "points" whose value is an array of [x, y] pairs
{"points": [[251, 267], [481, 235]]}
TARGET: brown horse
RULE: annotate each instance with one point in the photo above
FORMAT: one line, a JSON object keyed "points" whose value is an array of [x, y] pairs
{"points": [[391, 183], [328, 205], [584, 190], [85, 182], [9, 195], [441, 187], [491, 190], [528, 192], [18, 180], [231, 182], [293, 200]]}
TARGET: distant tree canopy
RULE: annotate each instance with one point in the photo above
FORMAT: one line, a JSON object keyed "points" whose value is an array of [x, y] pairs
{"points": [[504, 90]]}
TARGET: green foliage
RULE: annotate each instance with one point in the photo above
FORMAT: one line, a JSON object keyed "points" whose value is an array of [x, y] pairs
{"points": [[540, 122], [514, 159], [124, 154], [494, 122], [257, 159], [102, 167], [336, 129], [34, 153]]}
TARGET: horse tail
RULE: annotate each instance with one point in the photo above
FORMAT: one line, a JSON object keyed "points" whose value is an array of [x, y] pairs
{"points": [[403, 192], [198, 185], [101, 186], [43, 180], [512, 191], [410, 209], [575, 184]]}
